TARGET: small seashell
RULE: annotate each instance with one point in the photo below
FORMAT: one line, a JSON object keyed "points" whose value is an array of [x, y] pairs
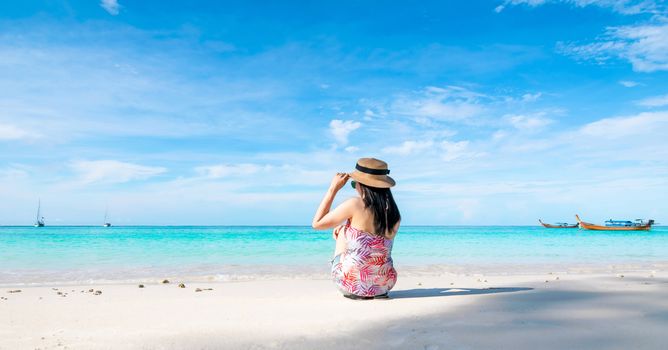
{"points": [[198, 290], [181, 285], [165, 281], [98, 292], [141, 286], [91, 291]]}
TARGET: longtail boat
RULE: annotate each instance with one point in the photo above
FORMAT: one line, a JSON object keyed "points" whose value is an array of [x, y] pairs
{"points": [[558, 225], [618, 225]]}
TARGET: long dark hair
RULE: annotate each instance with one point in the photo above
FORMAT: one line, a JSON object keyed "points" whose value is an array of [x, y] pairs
{"points": [[384, 208]]}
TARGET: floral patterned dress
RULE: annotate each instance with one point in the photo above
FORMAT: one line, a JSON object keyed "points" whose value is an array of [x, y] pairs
{"points": [[365, 268]]}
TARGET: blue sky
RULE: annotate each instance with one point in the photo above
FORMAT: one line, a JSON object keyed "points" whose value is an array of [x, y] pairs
{"points": [[488, 112]]}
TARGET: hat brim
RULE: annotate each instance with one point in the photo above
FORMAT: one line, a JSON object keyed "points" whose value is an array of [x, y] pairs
{"points": [[378, 181]]}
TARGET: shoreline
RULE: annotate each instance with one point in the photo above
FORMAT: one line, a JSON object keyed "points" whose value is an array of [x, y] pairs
{"points": [[611, 310], [236, 273]]}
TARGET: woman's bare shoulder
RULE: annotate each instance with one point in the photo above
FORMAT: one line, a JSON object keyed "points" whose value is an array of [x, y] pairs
{"points": [[356, 202]]}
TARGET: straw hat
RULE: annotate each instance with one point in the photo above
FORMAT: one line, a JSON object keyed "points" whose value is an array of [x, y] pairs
{"points": [[372, 172]]}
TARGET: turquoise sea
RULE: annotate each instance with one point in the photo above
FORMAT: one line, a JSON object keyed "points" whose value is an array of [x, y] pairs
{"points": [[74, 253]]}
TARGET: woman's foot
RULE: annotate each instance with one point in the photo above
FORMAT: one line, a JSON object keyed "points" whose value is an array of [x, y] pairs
{"points": [[357, 297]]}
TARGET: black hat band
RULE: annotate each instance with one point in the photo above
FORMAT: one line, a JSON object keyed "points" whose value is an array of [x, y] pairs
{"points": [[370, 171]]}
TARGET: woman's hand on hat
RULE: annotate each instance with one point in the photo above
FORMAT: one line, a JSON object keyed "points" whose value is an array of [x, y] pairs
{"points": [[339, 181]]}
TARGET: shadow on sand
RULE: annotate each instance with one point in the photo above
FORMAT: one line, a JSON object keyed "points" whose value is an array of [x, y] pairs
{"points": [[446, 292]]}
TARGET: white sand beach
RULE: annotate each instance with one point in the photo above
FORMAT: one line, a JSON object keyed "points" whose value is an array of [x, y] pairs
{"points": [[616, 309]]}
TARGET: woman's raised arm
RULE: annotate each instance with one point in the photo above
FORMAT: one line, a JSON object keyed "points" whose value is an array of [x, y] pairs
{"points": [[323, 218]]}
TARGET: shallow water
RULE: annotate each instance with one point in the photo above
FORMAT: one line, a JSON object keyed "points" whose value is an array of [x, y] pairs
{"points": [[29, 254]]}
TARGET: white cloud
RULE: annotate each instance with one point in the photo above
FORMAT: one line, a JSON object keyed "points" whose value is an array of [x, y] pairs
{"points": [[110, 6], [352, 149], [628, 83], [409, 147], [644, 46], [229, 170], [455, 150], [14, 172], [113, 171], [500, 134], [531, 3], [452, 103], [626, 7], [12, 132], [529, 123], [531, 97], [656, 101], [340, 129], [614, 128]]}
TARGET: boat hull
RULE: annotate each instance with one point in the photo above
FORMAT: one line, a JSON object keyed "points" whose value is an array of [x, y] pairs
{"points": [[557, 226], [593, 227]]}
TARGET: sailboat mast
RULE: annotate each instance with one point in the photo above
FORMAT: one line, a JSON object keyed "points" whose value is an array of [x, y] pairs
{"points": [[39, 204]]}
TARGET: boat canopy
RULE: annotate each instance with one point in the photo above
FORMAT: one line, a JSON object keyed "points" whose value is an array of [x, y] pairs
{"points": [[618, 223]]}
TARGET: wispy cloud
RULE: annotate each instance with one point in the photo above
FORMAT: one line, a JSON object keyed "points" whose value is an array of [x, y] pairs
{"points": [[10, 132], [531, 97], [647, 124], [409, 147], [626, 7], [644, 46], [112, 171], [655, 101], [457, 150], [110, 6], [530, 123], [450, 103], [230, 170], [628, 83], [340, 129]]}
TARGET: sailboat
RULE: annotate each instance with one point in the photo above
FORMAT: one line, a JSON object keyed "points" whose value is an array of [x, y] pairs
{"points": [[39, 222], [106, 224]]}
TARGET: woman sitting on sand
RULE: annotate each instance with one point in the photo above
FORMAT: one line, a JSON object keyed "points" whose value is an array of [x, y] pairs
{"points": [[362, 265]]}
